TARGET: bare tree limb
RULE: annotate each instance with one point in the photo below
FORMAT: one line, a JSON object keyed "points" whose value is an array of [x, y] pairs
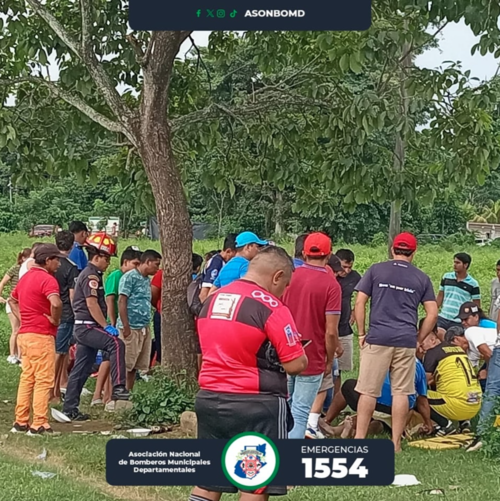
{"points": [[130, 154], [56, 26], [165, 46], [200, 60], [149, 49], [231, 114], [73, 100], [413, 49], [85, 53], [86, 10], [136, 45], [275, 99]]}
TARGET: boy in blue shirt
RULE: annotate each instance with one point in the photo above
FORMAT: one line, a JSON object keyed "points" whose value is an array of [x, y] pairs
{"points": [[248, 245], [77, 254]]}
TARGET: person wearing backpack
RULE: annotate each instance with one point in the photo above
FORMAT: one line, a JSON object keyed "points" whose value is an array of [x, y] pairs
{"points": [[194, 302]]}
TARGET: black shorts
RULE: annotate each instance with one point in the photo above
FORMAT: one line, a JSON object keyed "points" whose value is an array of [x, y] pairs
{"points": [[444, 323], [225, 415]]}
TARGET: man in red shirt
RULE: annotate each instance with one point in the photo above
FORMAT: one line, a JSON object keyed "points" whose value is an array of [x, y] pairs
{"points": [[314, 298], [249, 343], [37, 302]]}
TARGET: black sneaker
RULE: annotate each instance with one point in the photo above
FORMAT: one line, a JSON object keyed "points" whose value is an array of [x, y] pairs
{"points": [[19, 428], [40, 431], [76, 415], [465, 427], [120, 393], [449, 429], [475, 445]]}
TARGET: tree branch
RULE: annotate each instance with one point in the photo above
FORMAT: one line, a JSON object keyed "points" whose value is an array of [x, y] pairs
{"points": [[136, 45], [276, 99], [433, 36], [200, 60], [86, 10], [149, 49], [73, 100], [85, 53], [165, 46]]}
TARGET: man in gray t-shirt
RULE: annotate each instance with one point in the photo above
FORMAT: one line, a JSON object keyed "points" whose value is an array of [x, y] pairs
{"points": [[396, 290]]}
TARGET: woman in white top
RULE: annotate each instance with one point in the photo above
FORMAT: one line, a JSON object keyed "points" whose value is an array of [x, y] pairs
{"points": [[12, 276]]}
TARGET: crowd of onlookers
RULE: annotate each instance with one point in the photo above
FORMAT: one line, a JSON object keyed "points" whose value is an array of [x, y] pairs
{"points": [[260, 315]]}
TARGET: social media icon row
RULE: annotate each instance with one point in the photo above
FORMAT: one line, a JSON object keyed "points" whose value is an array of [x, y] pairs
{"points": [[213, 13]]}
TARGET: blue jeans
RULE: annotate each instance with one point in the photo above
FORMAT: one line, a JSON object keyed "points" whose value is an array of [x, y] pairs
{"points": [[302, 391], [63, 337], [491, 394], [330, 393]]}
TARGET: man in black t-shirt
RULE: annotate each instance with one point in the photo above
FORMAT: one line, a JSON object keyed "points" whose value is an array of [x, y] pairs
{"points": [[348, 279], [66, 276]]}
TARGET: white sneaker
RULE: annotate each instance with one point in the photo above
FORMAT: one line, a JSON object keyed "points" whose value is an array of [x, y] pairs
{"points": [[85, 393], [12, 359], [110, 406], [314, 434], [97, 401]]}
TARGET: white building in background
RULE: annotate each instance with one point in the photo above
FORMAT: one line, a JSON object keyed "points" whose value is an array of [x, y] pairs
{"points": [[110, 225], [484, 232]]}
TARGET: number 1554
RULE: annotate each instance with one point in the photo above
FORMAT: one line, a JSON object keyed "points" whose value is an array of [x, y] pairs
{"points": [[333, 467]]}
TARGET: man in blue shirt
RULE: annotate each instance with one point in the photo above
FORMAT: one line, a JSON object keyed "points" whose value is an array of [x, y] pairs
{"points": [[417, 401], [248, 245], [77, 254], [216, 263], [298, 257]]}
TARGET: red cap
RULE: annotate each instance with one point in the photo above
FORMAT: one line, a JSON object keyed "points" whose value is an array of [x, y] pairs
{"points": [[405, 241], [317, 245]]}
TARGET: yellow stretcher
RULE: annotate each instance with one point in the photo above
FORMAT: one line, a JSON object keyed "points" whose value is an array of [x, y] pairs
{"points": [[443, 443]]}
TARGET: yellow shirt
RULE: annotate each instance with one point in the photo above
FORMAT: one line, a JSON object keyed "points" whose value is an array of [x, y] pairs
{"points": [[454, 375]]}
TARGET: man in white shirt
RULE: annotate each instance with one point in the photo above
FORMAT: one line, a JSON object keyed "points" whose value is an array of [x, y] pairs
{"points": [[479, 337]]}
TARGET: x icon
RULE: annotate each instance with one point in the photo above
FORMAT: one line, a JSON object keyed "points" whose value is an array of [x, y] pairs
{"points": [[210, 13]]}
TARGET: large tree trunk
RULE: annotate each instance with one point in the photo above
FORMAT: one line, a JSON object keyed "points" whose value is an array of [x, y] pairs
{"points": [[178, 338], [278, 214], [394, 223], [155, 148], [400, 143]]}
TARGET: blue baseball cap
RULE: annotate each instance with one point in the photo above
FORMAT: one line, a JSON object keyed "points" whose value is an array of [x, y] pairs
{"points": [[247, 238]]}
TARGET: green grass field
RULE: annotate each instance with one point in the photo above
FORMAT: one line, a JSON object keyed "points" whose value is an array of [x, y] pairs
{"points": [[79, 461]]}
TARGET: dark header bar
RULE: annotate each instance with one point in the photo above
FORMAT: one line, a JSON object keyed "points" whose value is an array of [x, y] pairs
{"points": [[278, 15]]}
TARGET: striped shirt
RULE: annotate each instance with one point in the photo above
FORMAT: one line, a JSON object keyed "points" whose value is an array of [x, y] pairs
{"points": [[456, 293], [13, 273]]}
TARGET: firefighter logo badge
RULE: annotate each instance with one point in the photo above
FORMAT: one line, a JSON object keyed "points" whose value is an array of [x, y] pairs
{"points": [[250, 461]]}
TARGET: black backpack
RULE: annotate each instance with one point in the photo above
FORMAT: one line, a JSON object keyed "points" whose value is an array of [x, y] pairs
{"points": [[193, 295]]}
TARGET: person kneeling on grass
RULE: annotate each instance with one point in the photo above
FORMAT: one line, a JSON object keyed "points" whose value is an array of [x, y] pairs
{"points": [[134, 307], [350, 397], [455, 393]]}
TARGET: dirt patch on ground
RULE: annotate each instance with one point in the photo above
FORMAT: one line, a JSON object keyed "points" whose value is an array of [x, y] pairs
{"points": [[92, 426]]}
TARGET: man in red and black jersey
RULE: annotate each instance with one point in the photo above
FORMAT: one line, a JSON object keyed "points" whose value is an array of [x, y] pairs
{"points": [[249, 343]]}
